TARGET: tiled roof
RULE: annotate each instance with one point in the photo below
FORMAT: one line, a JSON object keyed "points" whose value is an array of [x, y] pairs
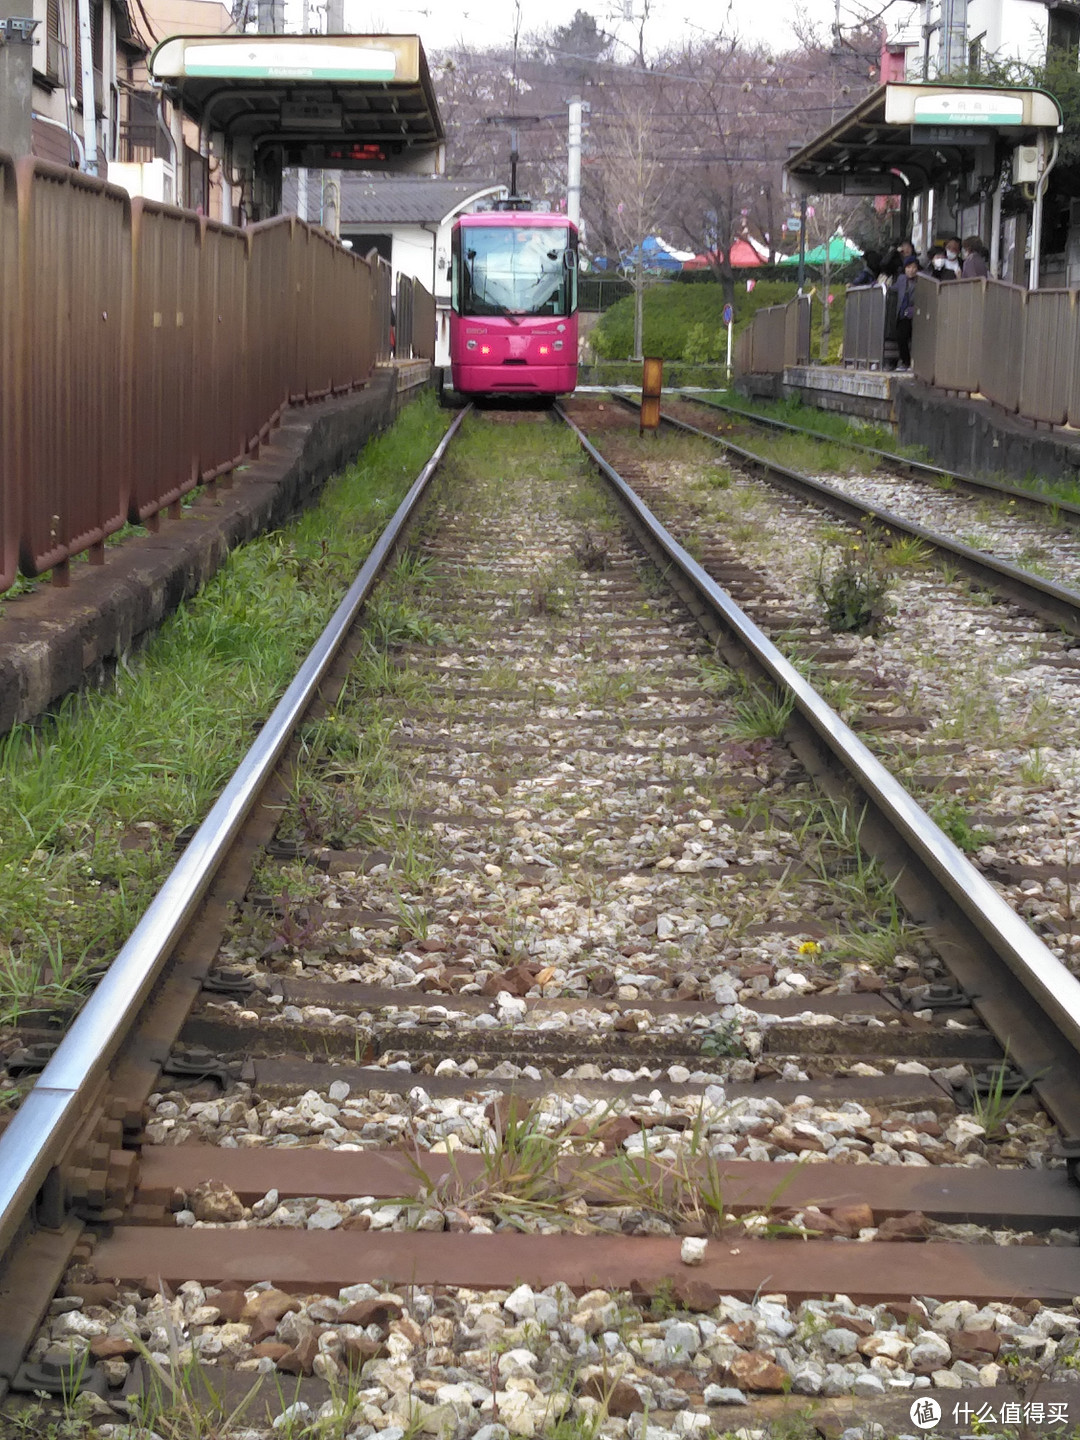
{"points": [[367, 201]]}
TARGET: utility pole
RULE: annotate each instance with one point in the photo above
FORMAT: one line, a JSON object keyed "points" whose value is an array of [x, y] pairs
{"points": [[335, 25], [89, 108], [301, 174], [16, 77], [573, 169]]}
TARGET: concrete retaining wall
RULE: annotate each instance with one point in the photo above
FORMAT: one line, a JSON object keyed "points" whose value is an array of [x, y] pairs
{"points": [[55, 641], [974, 437]]}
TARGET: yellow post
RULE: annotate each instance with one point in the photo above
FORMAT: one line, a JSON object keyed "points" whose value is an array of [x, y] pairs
{"points": [[652, 382]]}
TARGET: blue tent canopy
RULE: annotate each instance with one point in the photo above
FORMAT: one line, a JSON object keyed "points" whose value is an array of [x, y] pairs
{"points": [[655, 256]]}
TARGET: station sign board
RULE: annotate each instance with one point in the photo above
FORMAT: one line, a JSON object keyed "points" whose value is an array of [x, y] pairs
{"points": [[356, 58], [968, 109]]}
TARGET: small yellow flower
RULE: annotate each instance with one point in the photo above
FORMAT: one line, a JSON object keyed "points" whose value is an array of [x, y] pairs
{"points": [[809, 947]]}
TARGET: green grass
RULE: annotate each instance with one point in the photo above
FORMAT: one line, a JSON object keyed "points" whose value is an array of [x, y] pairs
{"points": [[92, 797], [827, 423]]}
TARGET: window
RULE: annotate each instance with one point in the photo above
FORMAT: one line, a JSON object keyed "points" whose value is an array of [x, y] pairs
{"points": [[1063, 35], [518, 269], [975, 53]]}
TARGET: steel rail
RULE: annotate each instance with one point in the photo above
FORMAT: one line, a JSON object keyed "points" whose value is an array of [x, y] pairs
{"points": [[43, 1125], [933, 473], [1054, 603], [1040, 974]]}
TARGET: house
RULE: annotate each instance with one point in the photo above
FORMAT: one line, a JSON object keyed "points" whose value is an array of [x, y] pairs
{"points": [[67, 127], [408, 222], [159, 151], [127, 132]]}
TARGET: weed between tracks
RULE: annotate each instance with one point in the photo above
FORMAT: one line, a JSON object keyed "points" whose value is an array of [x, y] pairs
{"points": [[92, 797]]}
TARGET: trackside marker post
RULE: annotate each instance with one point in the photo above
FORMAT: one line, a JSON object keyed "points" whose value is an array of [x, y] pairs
{"points": [[652, 383]]}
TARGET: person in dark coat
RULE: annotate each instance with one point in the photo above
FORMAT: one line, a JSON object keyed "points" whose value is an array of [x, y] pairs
{"points": [[976, 258], [897, 258], [905, 309], [938, 267], [871, 268]]}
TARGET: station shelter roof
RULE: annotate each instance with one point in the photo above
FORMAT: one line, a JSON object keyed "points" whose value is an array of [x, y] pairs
{"points": [[910, 137], [338, 102]]}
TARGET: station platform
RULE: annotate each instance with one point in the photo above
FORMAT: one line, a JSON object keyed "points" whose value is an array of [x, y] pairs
{"points": [[964, 433], [867, 394]]}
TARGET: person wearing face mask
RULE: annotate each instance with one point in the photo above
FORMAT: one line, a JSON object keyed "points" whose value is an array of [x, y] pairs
{"points": [[939, 266], [953, 262]]}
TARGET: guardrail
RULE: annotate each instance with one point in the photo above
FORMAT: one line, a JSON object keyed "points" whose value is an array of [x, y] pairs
{"points": [[777, 336], [145, 349]]}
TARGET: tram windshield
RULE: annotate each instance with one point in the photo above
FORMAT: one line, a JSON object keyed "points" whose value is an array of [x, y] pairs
{"points": [[519, 270]]}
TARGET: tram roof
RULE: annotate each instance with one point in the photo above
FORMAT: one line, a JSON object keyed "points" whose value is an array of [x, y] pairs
{"points": [[509, 219], [915, 135], [342, 102]]}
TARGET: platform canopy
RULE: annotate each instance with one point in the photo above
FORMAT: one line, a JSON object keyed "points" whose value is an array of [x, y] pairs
{"points": [[340, 102], [905, 138]]}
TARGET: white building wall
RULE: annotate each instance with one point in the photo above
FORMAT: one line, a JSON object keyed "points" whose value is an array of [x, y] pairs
{"points": [[1005, 30], [412, 253]]}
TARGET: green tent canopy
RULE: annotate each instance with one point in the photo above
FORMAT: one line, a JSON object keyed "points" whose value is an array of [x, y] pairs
{"points": [[841, 249]]}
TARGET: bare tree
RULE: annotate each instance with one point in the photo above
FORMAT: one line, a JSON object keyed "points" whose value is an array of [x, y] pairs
{"points": [[627, 186]]}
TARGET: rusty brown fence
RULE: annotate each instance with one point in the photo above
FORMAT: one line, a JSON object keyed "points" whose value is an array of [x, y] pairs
{"points": [[777, 336], [383, 278], [9, 494], [145, 350], [864, 327], [414, 321]]}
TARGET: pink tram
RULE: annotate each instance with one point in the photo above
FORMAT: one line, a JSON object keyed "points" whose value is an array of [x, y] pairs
{"points": [[513, 304]]}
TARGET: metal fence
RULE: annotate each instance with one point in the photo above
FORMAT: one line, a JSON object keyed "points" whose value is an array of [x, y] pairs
{"points": [[383, 277], [1017, 348], [776, 337], [865, 313], [144, 349], [599, 292], [414, 321]]}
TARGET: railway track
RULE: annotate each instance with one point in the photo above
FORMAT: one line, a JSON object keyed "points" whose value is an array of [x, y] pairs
{"points": [[970, 670], [741, 420], [902, 505], [530, 948]]}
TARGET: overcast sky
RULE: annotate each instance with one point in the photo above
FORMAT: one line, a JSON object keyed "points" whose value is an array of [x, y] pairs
{"points": [[485, 23]]}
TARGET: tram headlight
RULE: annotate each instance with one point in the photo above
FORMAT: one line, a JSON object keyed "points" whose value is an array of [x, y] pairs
{"points": [[557, 345], [470, 344]]}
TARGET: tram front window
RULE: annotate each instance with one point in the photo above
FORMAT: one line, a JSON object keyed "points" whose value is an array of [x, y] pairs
{"points": [[519, 271]]}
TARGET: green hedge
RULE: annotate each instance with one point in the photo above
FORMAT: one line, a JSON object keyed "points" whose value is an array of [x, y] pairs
{"points": [[683, 322]]}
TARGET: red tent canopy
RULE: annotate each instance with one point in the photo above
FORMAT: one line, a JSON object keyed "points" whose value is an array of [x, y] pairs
{"points": [[742, 254]]}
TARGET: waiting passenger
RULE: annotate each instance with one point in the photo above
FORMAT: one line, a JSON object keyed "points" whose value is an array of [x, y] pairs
{"points": [[976, 258], [897, 258], [939, 266], [871, 268], [953, 262], [905, 310]]}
